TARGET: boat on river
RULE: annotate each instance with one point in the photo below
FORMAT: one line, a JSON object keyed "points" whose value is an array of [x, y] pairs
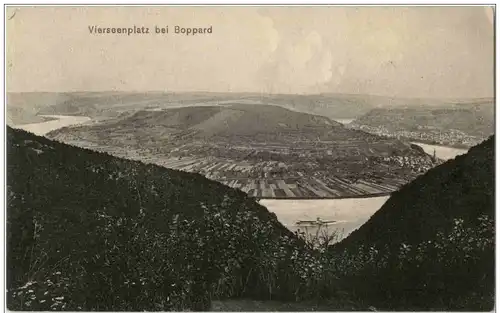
{"points": [[317, 222]]}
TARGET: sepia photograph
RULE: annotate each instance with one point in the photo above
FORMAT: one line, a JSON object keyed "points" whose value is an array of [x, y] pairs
{"points": [[250, 158]]}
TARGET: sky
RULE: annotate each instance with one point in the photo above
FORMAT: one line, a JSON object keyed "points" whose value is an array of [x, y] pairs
{"points": [[430, 52]]}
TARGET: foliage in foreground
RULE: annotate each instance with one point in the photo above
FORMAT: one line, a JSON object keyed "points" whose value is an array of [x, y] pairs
{"points": [[454, 271], [432, 244], [87, 231]]}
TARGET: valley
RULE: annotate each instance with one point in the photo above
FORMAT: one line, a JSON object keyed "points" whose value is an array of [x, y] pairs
{"points": [[332, 158], [345, 183], [283, 197], [266, 151], [301, 181]]}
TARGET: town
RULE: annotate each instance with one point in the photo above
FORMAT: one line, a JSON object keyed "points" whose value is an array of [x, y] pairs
{"points": [[449, 137]]}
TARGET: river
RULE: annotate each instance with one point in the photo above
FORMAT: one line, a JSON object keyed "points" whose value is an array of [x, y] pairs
{"points": [[442, 152], [348, 214], [344, 121], [58, 121]]}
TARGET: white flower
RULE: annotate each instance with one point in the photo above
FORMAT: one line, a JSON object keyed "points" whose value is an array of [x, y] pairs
{"points": [[27, 285]]}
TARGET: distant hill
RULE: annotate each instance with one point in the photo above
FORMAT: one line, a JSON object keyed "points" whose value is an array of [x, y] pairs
{"points": [[265, 150], [228, 120], [23, 108], [466, 123], [88, 231], [102, 104], [348, 106], [431, 245], [108, 104]]}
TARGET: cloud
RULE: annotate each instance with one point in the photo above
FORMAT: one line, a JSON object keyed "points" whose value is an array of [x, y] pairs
{"points": [[396, 51], [300, 63]]}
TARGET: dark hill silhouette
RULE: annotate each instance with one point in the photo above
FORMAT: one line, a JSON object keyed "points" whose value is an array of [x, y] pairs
{"points": [[431, 245], [88, 231], [459, 188]]}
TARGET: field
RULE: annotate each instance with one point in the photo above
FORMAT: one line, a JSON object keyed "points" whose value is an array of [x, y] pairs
{"points": [[300, 186], [276, 179]]}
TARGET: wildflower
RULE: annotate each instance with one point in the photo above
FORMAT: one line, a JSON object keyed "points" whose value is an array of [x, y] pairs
{"points": [[27, 285]]}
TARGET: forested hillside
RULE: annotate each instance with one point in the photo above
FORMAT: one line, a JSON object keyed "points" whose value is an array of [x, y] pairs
{"points": [[432, 244], [87, 231]]}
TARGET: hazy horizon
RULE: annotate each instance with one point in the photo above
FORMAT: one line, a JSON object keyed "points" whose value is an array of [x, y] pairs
{"points": [[253, 93], [390, 51]]}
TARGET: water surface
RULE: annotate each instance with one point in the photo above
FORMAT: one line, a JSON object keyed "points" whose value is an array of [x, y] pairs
{"points": [[349, 214], [442, 152], [59, 121]]}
